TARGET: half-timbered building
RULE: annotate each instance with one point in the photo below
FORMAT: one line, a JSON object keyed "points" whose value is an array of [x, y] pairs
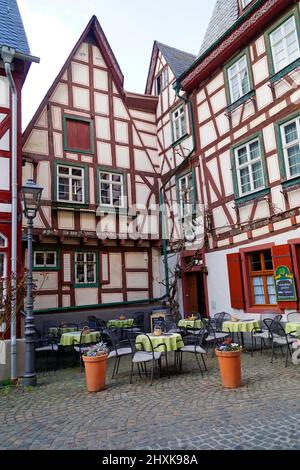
{"points": [[14, 65], [93, 147], [245, 92]]}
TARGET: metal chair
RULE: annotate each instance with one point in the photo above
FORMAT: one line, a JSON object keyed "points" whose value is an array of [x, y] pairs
{"points": [[293, 317], [279, 338], [215, 334], [263, 333], [193, 344], [80, 347], [142, 357], [45, 344], [118, 349], [138, 325]]}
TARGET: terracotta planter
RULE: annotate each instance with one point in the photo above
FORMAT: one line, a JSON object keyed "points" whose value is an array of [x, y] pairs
{"points": [[95, 372], [230, 368]]}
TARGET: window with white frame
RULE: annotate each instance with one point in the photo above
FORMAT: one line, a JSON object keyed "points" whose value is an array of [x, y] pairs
{"points": [[249, 167], [85, 268], [45, 259], [245, 3], [285, 44], [70, 184], [186, 194], [111, 189], [2, 265], [238, 79], [290, 133], [179, 123]]}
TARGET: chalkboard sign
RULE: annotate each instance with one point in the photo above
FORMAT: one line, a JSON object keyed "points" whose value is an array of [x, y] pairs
{"points": [[285, 285], [158, 319]]}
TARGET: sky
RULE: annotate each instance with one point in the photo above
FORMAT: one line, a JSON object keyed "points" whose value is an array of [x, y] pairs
{"points": [[54, 26]]}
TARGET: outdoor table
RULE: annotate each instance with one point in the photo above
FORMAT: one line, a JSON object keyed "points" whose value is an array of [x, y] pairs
{"points": [[172, 341], [292, 326], [243, 326], [127, 323], [68, 339], [190, 324], [53, 331]]}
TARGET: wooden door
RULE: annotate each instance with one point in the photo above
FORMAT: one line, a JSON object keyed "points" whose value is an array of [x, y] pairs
{"points": [[191, 293]]}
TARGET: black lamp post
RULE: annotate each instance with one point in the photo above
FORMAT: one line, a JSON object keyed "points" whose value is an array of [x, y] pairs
{"points": [[31, 196]]}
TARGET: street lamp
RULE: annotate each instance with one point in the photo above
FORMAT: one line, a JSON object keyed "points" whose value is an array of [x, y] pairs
{"points": [[31, 196]]}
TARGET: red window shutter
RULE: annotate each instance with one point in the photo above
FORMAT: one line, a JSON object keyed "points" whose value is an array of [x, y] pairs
{"points": [[282, 257], [236, 281], [78, 135]]}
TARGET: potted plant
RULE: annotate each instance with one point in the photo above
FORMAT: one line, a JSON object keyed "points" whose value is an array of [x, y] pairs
{"points": [[229, 358], [94, 360]]}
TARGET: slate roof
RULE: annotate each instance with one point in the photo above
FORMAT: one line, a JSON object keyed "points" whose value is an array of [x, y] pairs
{"points": [[178, 60], [12, 32], [225, 14]]}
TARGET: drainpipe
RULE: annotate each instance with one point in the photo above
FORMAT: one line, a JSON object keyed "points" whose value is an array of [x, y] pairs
{"points": [[8, 55], [187, 101]]}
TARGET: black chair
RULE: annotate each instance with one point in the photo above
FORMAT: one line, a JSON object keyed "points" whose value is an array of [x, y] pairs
{"points": [[262, 333], [101, 324], [92, 322], [140, 357], [45, 345], [80, 347], [214, 335], [137, 327], [118, 349], [47, 325], [279, 338], [193, 344], [217, 321]]}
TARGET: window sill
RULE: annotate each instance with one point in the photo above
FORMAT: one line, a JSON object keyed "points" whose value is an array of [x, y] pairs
{"points": [[68, 205], [290, 185], [178, 141], [240, 101], [80, 152], [241, 201], [112, 210], [282, 73], [45, 269], [80, 286]]}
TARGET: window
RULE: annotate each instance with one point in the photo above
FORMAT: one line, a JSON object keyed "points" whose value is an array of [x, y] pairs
{"points": [[179, 123], [249, 168], [78, 135], [238, 79], [245, 3], [290, 134], [186, 195], [262, 278], [45, 259], [70, 184], [111, 189], [162, 81], [284, 43], [85, 268], [3, 241], [2, 265]]}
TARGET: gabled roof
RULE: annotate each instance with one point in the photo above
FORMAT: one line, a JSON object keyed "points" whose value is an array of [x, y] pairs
{"points": [[94, 28], [178, 61], [12, 32], [225, 14]]}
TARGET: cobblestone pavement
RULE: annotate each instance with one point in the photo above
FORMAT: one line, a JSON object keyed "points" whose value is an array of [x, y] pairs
{"points": [[187, 411]]}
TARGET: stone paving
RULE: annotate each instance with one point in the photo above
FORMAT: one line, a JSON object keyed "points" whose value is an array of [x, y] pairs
{"points": [[185, 412]]}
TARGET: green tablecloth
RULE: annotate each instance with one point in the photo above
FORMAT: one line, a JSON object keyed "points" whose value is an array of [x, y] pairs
{"points": [[65, 329], [172, 342], [241, 326], [69, 339], [121, 323], [292, 326], [190, 323]]}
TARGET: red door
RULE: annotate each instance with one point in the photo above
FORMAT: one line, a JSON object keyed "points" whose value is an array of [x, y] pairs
{"points": [[191, 293]]}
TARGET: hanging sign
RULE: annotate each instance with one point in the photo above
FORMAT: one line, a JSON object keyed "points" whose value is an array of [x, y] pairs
{"points": [[285, 285]]}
